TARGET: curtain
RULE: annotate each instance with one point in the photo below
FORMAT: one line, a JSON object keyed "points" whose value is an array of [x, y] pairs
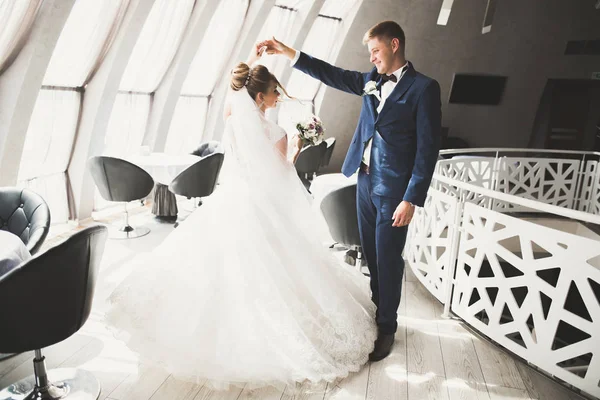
{"points": [[156, 46], [85, 38], [16, 21], [187, 126], [279, 23], [217, 44], [319, 43], [338, 8], [48, 146], [54, 190], [127, 124]]}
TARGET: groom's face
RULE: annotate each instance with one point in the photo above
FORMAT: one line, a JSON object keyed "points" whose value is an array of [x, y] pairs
{"points": [[382, 54]]}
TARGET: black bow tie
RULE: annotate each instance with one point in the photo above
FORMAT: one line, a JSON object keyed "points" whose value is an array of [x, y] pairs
{"points": [[385, 78]]}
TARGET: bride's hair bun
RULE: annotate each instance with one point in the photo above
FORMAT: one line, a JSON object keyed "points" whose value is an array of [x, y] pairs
{"points": [[240, 76], [256, 80]]}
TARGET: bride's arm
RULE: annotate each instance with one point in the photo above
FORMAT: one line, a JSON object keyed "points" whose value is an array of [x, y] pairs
{"points": [[226, 110], [255, 55], [282, 144], [297, 148]]}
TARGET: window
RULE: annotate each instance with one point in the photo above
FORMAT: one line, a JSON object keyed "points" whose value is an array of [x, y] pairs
{"points": [[279, 23], [50, 137], [323, 41], [187, 127], [319, 43], [150, 59]]}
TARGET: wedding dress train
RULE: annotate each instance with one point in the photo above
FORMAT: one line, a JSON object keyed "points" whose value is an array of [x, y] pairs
{"points": [[243, 292]]}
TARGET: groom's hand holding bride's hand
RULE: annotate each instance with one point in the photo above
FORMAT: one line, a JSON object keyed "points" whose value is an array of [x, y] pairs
{"points": [[403, 214], [274, 46]]}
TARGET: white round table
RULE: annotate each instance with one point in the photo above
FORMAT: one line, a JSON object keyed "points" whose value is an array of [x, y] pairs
{"points": [[12, 251], [163, 168]]}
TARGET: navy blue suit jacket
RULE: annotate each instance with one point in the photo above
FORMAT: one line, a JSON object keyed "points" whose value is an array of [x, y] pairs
{"points": [[406, 134]]}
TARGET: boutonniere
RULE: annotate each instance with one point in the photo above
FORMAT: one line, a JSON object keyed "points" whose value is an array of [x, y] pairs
{"points": [[371, 89]]}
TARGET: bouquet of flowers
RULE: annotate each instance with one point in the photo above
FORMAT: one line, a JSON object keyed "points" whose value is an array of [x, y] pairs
{"points": [[311, 131]]}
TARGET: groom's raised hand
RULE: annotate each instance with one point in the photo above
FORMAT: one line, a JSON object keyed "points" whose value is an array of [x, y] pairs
{"points": [[274, 46]]}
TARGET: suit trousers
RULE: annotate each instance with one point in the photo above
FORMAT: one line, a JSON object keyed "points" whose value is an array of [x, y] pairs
{"points": [[382, 246]]}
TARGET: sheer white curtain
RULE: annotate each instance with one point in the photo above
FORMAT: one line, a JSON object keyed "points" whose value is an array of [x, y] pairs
{"points": [[48, 147], [86, 36], [88, 32], [156, 46], [338, 8], [319, 43], [187, 127], [16, 19], [127, 124], [152, 55], [280, 24]]}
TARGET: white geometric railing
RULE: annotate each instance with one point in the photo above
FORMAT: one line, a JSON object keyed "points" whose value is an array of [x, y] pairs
{"points": [[568, 179], [532, 288]]}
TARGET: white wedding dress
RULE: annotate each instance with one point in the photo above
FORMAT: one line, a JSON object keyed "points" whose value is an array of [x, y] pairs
{"points": [[243, 292]]}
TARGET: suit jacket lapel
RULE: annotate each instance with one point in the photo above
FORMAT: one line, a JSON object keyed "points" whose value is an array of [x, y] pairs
{"points": [[373, 102], [401, 88]]}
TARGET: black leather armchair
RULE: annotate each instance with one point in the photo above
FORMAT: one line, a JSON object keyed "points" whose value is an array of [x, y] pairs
{"points": [[51, 298], [199, 179], [339, 209], [122, 181], [208, 148], [329, 152], [26, 214], [309, 162]]}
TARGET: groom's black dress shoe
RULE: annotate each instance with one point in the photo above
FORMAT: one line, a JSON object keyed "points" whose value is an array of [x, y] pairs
{"points": [[383, 347]]}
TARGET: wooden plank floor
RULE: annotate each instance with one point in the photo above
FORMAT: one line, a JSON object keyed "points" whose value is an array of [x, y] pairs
{"points": [[433, 358]]}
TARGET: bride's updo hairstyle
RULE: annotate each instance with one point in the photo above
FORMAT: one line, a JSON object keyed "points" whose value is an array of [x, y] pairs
{"points": [[256, 80]]}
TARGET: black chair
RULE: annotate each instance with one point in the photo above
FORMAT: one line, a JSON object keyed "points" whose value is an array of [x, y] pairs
{"points": [[309, 162], [199, 179], [339, 209], [49, 298], [120, 180], [208, 148], [26, 214], [329, 152]]}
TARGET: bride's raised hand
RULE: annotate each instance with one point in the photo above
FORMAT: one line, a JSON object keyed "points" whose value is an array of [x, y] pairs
{"points": [[273, 46], [257, 53]]}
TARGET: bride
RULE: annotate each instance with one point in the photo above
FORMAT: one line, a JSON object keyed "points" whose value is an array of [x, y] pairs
{"points": [[243, 292]]}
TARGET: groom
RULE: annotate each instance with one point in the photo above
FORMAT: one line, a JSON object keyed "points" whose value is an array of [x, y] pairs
{"points": [[394, 148]]}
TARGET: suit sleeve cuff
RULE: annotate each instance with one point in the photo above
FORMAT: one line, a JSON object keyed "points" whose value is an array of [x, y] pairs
{"points": [[295, 59]]}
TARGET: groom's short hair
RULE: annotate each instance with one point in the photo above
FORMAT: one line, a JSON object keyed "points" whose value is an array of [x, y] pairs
{"points": [[387, 30]]}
